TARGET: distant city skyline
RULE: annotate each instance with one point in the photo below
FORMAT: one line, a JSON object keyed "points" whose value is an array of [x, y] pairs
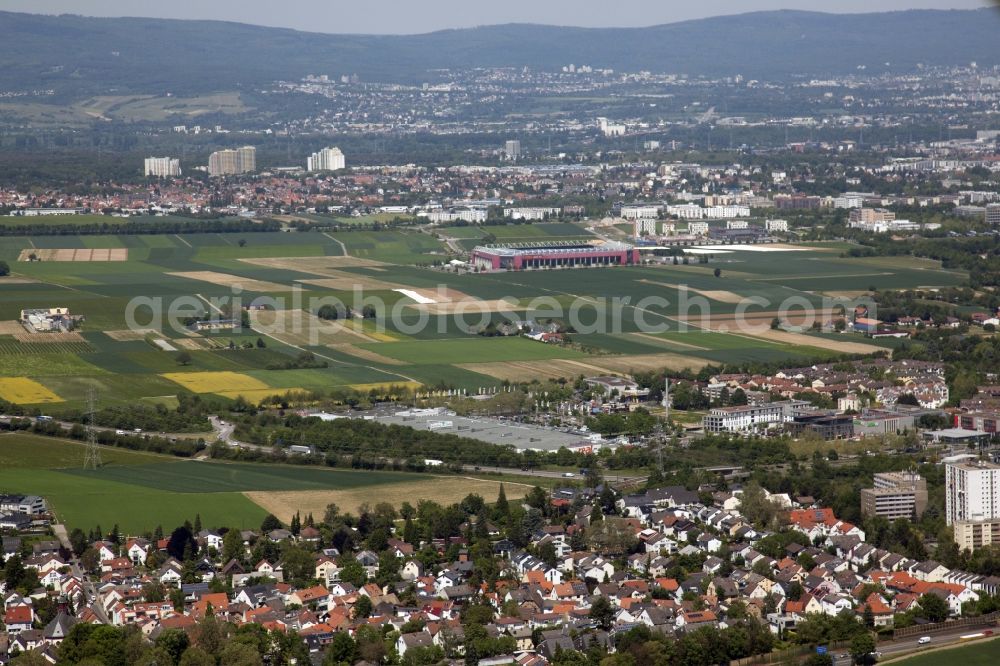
{"points": [[404, 17]]}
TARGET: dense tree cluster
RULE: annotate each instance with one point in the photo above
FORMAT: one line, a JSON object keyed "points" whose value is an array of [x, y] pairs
{"points": [[136, 226]]}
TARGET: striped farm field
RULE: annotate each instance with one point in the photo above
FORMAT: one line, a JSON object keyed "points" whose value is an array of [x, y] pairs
{"points": [[216, 382], [13, 346], [471, 350], [24, 391]]}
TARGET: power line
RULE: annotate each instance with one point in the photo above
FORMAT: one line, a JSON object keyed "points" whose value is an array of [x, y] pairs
{"points": [[92, 456]]}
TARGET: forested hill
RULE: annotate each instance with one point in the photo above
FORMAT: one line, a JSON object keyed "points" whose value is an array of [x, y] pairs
{"points": [[76, 55]]}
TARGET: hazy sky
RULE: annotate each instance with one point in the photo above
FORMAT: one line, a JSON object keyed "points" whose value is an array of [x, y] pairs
{"points": [[411, 16]]}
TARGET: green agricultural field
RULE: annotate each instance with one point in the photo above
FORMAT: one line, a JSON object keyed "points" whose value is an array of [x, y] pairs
{"points": [[537, 232], [469, 232], [112, 389], [45, 365], [733, 347], [12, 346], [982, 653], [361, 220], [824, 270], [198, 477], [138, 491], [397, 247], [472, 350], [35, 452], [44, 466], [82, 502], [127, 369], [449, 375]]}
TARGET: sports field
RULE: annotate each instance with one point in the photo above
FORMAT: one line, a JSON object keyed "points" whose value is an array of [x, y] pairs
{"points": [[622, 319]]}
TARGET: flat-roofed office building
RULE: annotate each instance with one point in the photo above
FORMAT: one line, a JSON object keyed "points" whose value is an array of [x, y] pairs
{"points": [[895, 495]]}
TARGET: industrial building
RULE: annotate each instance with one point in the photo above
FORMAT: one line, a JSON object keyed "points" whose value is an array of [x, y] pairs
{"points": [[553, 255], [826, 425], [748, 235], [875, 423], [49, 320]]}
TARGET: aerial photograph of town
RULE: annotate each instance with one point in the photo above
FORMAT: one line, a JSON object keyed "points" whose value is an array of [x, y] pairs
{"points": [[499, 333]]}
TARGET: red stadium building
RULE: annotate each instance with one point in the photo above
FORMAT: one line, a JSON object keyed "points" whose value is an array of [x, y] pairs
{"points": [[553, 255]]}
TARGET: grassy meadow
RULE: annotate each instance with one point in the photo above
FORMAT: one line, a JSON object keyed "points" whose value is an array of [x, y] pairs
{"points": [[138, 491]]}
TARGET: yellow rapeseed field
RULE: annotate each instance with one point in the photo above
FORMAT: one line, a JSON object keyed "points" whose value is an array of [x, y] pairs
{"points": [[217, 382], [24, 391]]}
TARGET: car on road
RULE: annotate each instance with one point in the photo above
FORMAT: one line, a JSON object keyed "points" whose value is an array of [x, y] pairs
{"points": [[568, 475], [924, 640]]}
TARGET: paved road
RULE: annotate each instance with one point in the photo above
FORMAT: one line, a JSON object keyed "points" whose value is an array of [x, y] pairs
{"points": [[892, 649], [66, 425], [223, 431], [88, 586], [548, 474]]}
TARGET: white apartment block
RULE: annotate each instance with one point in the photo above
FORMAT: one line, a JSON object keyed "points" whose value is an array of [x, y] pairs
{"points": [[883, 227], [162, 167], [847, 201], [776, 225], [609, 128], [530, 214], [230, 162], [871, 215], [640, 212], [698, 228], [972, 492], [737, 224], [993, 214], [645, 227], [328, 159], [512, 149], [470, 215], [687, 211], [695, 212], [743, 419], [727, 212]]}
